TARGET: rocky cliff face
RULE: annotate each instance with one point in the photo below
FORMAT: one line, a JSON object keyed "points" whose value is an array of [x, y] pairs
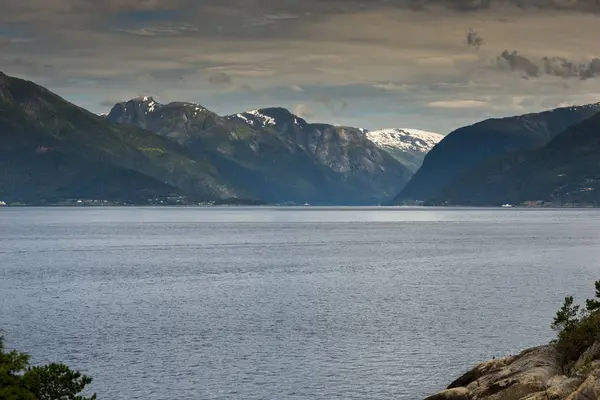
{"points": [[282, 157], [535, 374]]}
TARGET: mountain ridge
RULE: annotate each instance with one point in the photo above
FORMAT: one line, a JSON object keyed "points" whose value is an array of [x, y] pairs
{"points": [[50, 148], [279, 154], [466, 148], [563, 172]]}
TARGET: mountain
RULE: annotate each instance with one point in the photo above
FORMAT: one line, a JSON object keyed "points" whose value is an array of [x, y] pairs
{"points": [[564, 172], [282, 157], [409, 146], [466, 148], [51, 150]]}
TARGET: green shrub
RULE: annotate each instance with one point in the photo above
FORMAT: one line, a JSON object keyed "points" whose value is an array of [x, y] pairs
{"points": [[577, 329], [20, 381]]}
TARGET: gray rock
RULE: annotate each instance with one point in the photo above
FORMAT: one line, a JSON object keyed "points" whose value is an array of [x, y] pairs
{"points": [[452, 394], [591, 354]]}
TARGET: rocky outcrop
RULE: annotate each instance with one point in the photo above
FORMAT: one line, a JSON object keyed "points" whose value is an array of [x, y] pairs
{"points": [[534, 374]]}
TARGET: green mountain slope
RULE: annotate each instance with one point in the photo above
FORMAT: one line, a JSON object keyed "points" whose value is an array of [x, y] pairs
{"points": [[279, 155], [466, 148], [565, 171], [51, 149]]}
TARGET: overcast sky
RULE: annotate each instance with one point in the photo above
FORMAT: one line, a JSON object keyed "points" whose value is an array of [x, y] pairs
{"points": [[429, 64]]}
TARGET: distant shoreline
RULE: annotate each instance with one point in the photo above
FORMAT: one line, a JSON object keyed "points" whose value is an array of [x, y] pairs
{"points": [[424, 207]]}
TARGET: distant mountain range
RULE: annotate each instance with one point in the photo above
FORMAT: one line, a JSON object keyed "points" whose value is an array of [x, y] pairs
{"points": [[465, 150], [144, 152], [52, 150], [280, 156]]}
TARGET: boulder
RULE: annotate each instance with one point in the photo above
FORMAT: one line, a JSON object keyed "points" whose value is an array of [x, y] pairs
{"points": [[589, 389], [480, 370], [451, 394], [560, 387], [525, 376], [591, 354]]}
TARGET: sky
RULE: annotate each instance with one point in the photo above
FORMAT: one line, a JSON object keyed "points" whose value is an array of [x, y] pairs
{"points": [[428, 64]]}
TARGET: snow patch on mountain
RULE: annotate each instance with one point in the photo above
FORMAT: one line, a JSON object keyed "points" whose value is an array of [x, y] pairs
{"points": [[265, 120], [245, 119], [405, 139], [256, 118]]}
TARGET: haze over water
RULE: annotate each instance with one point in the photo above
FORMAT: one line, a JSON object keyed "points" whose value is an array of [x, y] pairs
{"points": [[286, 303]]}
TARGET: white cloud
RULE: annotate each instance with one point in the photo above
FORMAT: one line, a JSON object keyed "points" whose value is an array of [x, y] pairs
{"points": [[392, 87], [303, 111], [160, 30], [459, 104]]}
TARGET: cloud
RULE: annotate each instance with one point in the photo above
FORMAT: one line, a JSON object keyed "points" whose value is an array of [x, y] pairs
{"points": [[303, 111], [392, 87], [160, 30], [109, 102], [252, 90], [474, 39], [552, 66], [516, 62], [220, 79], [334, 106], [389, 58], [458, 104], [563, 68]]}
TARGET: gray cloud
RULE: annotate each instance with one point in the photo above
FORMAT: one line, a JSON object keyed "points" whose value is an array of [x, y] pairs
{"points": [[109, 102], [335, 106], [303, 111], [220, 79], [516, 62], [552, 66], [563, 68], [474, 39], [250, 89], [160, 30], [389, 61]]}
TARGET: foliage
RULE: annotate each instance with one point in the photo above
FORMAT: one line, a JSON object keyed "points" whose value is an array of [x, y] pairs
{"points": [[20, 381], [566, 317], [593, 304], [577, 330]]}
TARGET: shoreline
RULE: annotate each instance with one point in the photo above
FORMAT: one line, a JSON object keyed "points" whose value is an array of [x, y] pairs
{"points": [[533, 374]]}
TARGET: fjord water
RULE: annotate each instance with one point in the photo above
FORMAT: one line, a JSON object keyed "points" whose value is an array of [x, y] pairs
{"points": [[286, 303]]}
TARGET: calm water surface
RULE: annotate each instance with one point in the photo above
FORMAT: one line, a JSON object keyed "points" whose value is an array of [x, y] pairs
{"points": [[267, 303]]}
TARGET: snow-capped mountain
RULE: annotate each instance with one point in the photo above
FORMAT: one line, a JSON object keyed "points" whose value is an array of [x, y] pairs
{"points": [[409, 146], [278, 155], [268, 118]]}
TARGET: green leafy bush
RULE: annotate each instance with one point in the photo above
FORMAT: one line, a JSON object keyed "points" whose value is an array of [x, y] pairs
{"points": [[577, 328], [20, 381]]}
